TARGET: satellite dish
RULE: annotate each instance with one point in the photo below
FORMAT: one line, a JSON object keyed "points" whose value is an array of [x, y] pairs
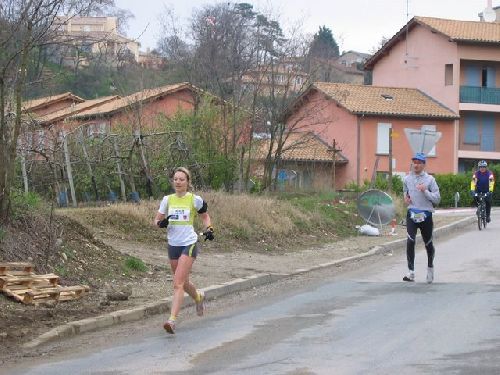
{"points": [[376, 207], [489, 15]]}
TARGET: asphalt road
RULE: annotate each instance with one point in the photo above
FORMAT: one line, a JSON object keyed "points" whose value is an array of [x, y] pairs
{"points": [[362, 320]]}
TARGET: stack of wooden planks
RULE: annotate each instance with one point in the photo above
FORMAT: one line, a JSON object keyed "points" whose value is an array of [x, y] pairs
{"points": [[18, 281]]}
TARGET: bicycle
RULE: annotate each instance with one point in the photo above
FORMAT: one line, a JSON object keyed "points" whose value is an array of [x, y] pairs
{"points": [[481, 210]]}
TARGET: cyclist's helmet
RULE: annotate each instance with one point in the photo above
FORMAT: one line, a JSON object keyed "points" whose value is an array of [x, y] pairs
{"points": [[482, 163]]}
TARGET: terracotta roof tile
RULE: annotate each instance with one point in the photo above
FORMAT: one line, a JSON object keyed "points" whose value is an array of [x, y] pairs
{"points": [[458, 31], [302, 146], [74, 109], [122, 103], [384, 101], [30, 105], [470, 31]]}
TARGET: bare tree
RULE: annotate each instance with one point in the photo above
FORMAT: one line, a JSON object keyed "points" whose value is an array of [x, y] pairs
{"points": [[26, 27], [244, 57]]}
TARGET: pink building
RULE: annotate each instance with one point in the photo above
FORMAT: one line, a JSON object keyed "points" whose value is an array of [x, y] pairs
{"points": [[359, 119], [50, 104], [458, 64], [137, 112]]}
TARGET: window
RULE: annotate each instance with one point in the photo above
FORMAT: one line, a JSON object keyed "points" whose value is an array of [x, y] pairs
{"points": [[471, 125], [472, 76], [40, 140], [383, 138], [97, 130], [28, 141], [431, 128], [448, 75], [488, 76], [488, 133]]}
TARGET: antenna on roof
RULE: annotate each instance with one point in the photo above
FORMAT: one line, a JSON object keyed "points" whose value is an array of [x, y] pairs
{"points": [[408, 58], [406, 37]]}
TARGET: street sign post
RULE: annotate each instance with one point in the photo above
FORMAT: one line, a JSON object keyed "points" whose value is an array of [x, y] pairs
{"points": [[422, 140]]}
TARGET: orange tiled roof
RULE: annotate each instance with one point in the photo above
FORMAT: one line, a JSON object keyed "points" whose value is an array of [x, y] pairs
{"points": [[30, 105], [476, 32], [302, 146], [384, 101], [122, 103], [465, 31], [72, 110]]}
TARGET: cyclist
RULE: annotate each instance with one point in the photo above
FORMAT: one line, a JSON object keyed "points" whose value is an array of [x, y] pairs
{"points": [[483, 181]]}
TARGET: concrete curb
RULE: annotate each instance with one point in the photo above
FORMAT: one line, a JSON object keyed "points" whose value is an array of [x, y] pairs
{"points": [[218, 290]]}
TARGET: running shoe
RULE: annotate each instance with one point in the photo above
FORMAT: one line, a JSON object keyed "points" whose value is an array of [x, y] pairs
{"points": [[410, 276], [169, 326], [488, 219], [430, 275], [200, 305]]}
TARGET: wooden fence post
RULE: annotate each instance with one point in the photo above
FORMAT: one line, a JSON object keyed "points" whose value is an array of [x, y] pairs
{"points": [[68, 169], [119, 169]]}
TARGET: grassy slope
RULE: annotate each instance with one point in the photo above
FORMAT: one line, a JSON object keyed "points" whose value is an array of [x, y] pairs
{"points": [[239, 220]]}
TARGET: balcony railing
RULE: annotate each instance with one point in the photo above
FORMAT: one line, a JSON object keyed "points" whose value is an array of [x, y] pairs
{"points": [[483, 95]]}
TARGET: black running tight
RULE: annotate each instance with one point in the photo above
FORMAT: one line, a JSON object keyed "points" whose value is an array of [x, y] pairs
{"points": [[426, 228]]}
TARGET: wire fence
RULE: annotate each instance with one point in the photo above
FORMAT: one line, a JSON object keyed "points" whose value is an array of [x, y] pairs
{"points": [[89, 168]]}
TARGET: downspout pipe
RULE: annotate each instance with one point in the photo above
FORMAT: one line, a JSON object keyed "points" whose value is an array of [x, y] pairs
{"points": [[358, 148]]}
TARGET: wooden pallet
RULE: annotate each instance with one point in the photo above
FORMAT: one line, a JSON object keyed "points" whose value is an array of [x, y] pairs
{"points": [[16, 268], [29, 281], [19, 282]]}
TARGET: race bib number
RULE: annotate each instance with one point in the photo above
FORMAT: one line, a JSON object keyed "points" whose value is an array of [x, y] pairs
{"points": [[179, 214], [418, 217]]}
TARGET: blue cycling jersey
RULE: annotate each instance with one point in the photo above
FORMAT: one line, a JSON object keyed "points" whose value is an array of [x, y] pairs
{"points": [[482, 181]]}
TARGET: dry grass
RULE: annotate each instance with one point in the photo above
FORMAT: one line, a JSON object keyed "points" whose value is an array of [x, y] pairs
{"points": [[233, 216], [127, 220], [245, 215]]}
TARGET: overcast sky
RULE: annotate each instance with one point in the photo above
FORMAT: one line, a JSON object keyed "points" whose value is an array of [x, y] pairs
{"points": [[357, 25]]}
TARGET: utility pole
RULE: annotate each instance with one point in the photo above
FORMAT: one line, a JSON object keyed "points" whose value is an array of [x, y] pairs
{"points": [[334, 157]]}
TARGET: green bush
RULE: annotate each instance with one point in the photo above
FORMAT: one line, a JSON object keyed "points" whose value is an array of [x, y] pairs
{"points": [[450, 184], [382, 183], [135, 264], [24, 202], [495, 168]]}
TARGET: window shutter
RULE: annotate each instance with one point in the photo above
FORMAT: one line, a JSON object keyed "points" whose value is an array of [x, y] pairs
{"points": [[383, 138], [471, 129], [488, 133]]}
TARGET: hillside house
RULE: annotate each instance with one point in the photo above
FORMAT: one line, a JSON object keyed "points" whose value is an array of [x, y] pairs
{"points": [[137, 112], [358, 119], [85, 36], [49, 104], [458, 64], [306, 162]]}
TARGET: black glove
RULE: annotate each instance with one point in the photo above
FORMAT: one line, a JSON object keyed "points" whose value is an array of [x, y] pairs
{"points": [[164, 223], [209, 234]]}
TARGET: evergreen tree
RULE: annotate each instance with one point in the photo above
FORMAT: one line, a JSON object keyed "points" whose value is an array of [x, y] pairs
{"points": [[324, 44]]}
